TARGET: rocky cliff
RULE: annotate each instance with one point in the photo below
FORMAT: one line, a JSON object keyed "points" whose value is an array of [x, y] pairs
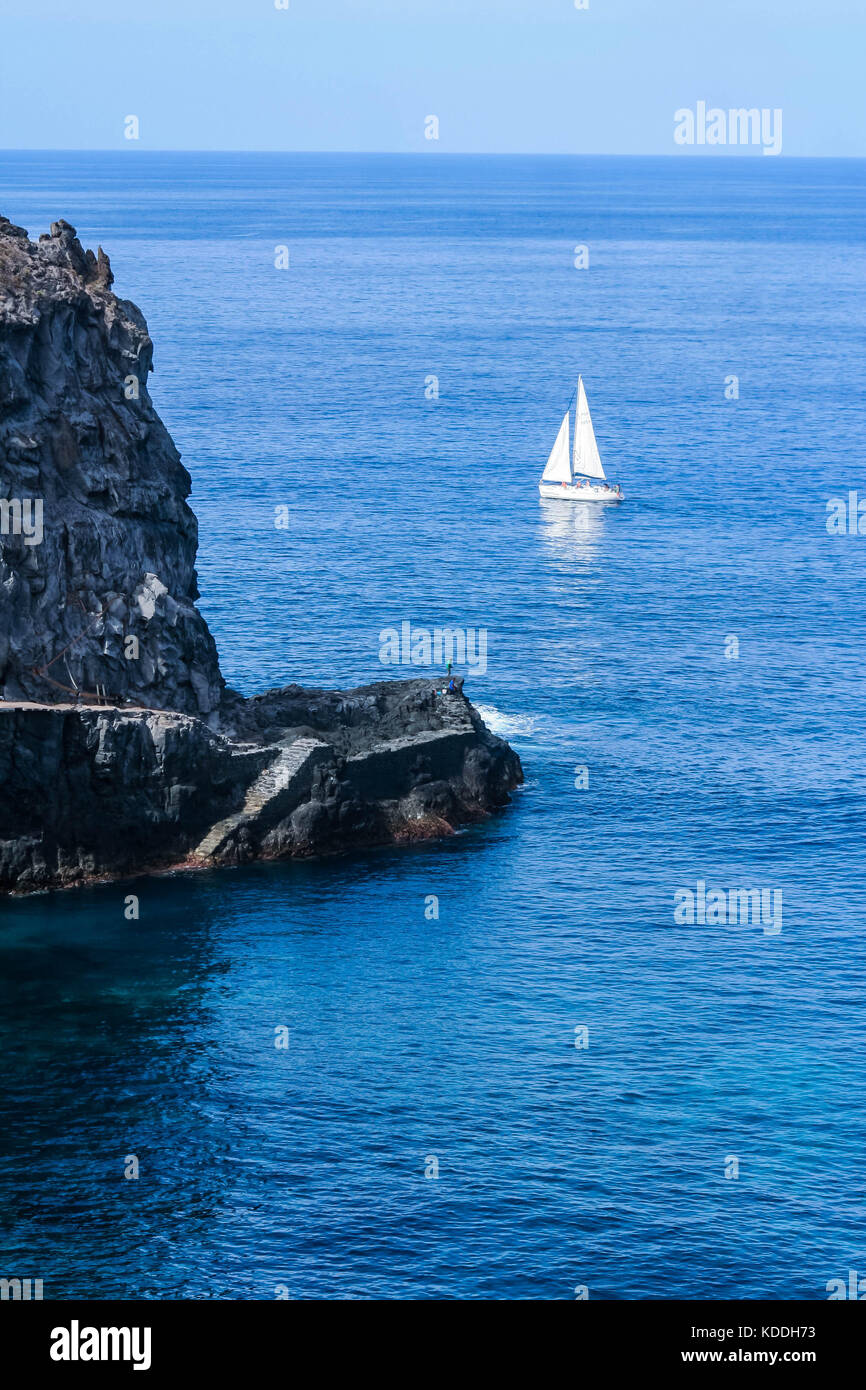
{"points": [[121, 750], [97, 573]]}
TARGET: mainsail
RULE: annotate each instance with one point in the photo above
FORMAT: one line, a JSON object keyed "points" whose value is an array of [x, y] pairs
{"points": [[558, 466], [586, 455]]}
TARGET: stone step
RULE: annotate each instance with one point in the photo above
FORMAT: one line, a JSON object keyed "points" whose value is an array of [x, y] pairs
{"points": [[216, 836], [275, 780]]}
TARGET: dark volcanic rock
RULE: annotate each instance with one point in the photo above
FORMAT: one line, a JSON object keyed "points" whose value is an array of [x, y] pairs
{"points": [[78, 434], [101, 792], [94, 792], [121, 750]]}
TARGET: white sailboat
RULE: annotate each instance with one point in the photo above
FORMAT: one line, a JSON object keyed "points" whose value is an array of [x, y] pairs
{"points": [[577, 475]]}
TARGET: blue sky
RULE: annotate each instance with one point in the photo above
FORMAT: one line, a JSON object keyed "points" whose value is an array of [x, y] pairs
{"points": [[501, 75]]}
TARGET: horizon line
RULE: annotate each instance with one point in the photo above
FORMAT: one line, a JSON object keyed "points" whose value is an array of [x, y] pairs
{"points": [[724, 154]]}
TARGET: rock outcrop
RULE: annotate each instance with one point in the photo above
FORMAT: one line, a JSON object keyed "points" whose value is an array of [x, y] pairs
{"points": [[97, 573], [121, 749], [97, 792]]}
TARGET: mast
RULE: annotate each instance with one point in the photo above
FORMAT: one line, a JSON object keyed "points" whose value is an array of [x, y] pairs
{"points": [[575, 466]]}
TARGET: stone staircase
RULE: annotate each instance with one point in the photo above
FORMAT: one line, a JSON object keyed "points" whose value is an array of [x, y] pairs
{"points": [[268, 795]]}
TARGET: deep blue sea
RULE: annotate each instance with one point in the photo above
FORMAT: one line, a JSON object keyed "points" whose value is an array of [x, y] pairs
{"points": [[712, 1049]]}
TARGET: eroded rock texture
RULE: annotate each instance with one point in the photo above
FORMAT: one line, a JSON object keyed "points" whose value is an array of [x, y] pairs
{"points": [[102, 792], [79, 434]]}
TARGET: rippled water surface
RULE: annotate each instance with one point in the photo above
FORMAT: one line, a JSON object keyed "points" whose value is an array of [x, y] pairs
{"points": [[453, 1039]]}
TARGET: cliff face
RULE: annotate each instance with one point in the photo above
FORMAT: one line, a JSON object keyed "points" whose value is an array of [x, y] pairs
{"points": [[97, 567], [120, 748]]}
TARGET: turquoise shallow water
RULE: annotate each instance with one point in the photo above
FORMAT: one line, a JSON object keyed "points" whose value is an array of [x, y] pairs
{"points": [[412, 1039]]}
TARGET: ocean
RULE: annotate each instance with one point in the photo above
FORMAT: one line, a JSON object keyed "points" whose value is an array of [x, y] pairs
{"points": [[556, 1087]]}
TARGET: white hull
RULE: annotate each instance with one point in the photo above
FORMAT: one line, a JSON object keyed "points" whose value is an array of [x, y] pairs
{"points": [[573, 492]]}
